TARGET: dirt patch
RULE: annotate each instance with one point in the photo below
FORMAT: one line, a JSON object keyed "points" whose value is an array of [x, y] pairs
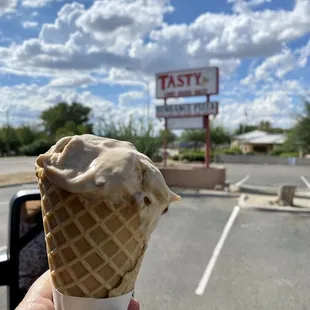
{"points": [[270, 201], [17, 178]]}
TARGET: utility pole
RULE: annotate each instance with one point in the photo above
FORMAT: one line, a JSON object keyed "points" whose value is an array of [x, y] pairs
{"points": [[148, 101], [7, 138], [245, 119], [148, 89]]}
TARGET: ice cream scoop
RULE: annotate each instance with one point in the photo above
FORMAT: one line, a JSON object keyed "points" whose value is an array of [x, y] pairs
{"points": [[101, 200]]}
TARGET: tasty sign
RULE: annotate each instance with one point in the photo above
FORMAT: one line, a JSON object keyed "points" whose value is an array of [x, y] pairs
{"points": [[186, 83]]}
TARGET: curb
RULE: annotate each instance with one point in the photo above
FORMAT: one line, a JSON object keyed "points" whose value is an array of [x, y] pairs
{"points": [[203, 193], [277, 209], [17, 184], [290, 209], [270, 191]]}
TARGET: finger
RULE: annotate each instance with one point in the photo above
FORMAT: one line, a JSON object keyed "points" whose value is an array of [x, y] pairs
{"points": [[42, 286], [134, 305], [39, 296]]}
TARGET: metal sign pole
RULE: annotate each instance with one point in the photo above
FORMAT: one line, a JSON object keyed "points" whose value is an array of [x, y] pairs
{"points": [[208, 137], [165, 137]]}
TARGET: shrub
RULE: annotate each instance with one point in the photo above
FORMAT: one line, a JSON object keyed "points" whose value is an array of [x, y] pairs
{"points": [[141, 135], [35, 148], [157, 158], [193, 156], [291, 154], [277, 151], [176, 157], [231, 151]]}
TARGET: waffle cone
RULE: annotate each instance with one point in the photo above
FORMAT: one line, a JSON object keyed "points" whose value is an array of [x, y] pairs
{"points": [[94, 249]]}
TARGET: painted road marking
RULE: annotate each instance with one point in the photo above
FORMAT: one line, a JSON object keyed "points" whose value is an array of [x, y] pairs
{"points": [[305, 181], [242, 181], [216, 252]]}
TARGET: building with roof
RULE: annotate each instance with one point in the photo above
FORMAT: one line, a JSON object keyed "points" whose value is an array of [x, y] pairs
{"points": [[258, 142]]}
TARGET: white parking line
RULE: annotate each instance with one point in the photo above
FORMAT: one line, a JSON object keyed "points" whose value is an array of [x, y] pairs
{"points": [[242, 181], [216, 252], [305, 181]]}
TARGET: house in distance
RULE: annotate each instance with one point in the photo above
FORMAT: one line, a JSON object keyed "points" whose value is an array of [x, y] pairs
{"points": [[258, 142]]}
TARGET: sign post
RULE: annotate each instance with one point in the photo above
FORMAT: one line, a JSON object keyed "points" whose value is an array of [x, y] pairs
{"points": [[165, 137], [208, 137], [188, 83]]}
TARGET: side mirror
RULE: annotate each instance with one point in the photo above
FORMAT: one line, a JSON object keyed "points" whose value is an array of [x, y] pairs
{"points": [[26, 254]]}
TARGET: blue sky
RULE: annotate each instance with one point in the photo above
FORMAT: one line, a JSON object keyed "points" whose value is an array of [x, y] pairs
{"points": [[104, 53]]}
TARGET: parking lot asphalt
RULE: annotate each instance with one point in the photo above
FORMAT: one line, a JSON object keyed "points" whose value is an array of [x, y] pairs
{"points": [[268, 175], [262, 263]]}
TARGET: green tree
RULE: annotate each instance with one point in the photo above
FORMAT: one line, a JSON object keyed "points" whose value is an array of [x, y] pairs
{"points": [[140, 135], [195, 136], [26, 134], [218, 134], [64, 119], [244, 128], [267, 127], [264, 126], [171, 137], [298, 138], [9, 140]]}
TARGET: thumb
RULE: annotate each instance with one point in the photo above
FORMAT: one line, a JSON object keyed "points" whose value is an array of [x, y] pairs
{"points": [[134, 305]]}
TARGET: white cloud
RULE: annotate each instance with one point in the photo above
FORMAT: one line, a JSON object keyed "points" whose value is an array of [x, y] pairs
{"points": [[278, 65], [73, 81], [59, 32], [7, 6], [87, 46], [111, 34], [274, 106], [35, 3], [26, 102], [29, 24], [241, 6], [118, 24], [125, 99], [304, 54]]}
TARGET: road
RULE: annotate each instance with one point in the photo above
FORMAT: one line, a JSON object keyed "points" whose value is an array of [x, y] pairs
{"points": [[268, 175], [16, 164]]}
